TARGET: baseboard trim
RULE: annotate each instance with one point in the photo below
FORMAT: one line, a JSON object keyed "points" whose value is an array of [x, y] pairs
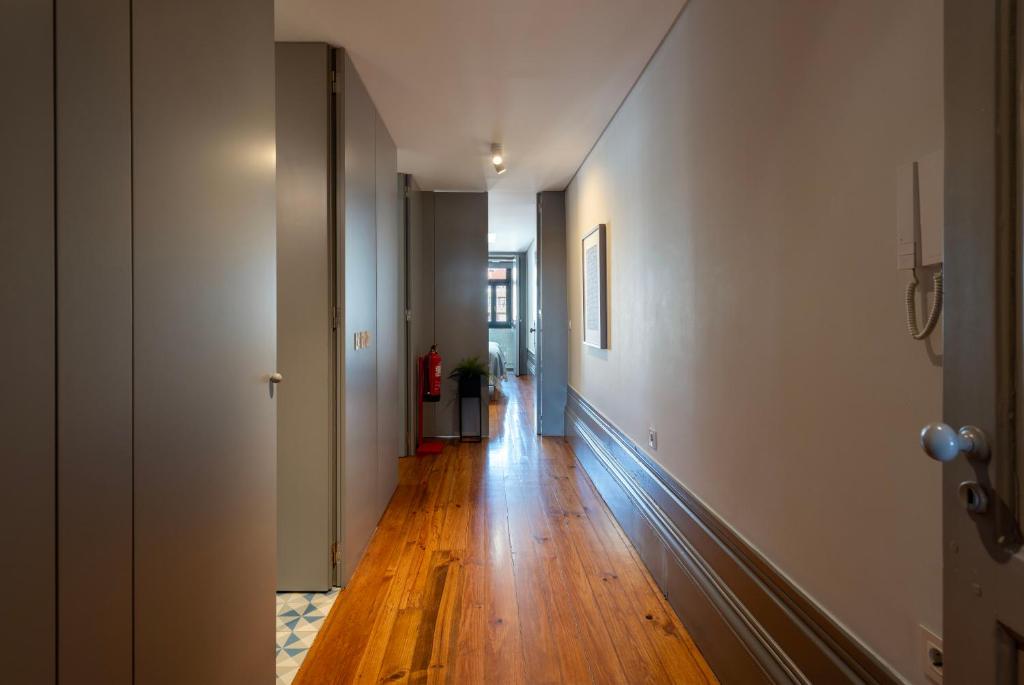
{"points": [[750, 622]]}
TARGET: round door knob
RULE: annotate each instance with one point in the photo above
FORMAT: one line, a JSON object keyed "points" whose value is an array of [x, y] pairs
{"points": [[276, 378], [940, 442]]}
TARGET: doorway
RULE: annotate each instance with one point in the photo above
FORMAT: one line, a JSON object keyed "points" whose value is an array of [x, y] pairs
{"points": [[503, 305], [512, 293]]}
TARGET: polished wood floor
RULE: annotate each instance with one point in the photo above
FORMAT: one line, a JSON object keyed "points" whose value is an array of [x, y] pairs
{"points": [[498, 562]]}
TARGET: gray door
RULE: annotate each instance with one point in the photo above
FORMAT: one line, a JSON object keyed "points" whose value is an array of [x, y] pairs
{"points": [[204, 341], [305, 345], [553, 314], [983, 582]]}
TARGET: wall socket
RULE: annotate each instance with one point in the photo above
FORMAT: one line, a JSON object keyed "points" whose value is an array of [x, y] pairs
{"points": [[930, 649], [652, 438]]}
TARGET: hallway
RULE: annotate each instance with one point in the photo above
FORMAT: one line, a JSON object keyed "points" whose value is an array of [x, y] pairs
{"points": [[498, 562]]}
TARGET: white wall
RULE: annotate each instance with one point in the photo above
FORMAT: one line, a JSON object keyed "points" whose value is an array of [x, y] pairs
{"points": [[756, 316]]}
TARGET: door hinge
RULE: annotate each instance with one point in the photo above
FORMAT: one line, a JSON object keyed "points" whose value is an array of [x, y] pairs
{"points": [[335, 554], [334, 81], [335, 317], [408, 315]]}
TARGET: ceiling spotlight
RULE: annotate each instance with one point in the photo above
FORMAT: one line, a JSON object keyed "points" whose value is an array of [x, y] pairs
{"points": [[500, 168], [497, 155]]}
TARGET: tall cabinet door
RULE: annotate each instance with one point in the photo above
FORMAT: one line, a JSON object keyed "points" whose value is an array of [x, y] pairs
{"points": [[304, 335], [27, 413], [204, 334], [359, 508]]}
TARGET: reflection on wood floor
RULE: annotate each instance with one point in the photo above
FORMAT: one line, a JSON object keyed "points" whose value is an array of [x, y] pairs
{"points": [[497, 562]]}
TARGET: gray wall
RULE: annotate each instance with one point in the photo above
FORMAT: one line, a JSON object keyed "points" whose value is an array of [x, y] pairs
{"points": [[756, 317], [94, 318], [390, 307], [552, 331], [305, 277], [27, 345], [358, 278], [368, 252], [419, 257], [450, 234]]}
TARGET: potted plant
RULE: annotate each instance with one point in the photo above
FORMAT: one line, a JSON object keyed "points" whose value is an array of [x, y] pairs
{"points": [[469, 374]]}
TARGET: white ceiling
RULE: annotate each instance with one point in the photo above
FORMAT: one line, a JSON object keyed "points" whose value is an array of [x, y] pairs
{"points": [[512, 219], [450, 77]]}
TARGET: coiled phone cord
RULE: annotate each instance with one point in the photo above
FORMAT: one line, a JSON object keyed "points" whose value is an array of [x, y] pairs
{"points": [[933, 315]]}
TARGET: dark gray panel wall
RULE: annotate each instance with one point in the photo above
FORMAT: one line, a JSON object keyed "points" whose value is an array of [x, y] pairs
{"points": [[359, 494], [421, 292], [94, 315], [553, 329], [405, 370], [205, 320], [27, 343], [389, 307], [460, 295], [524, 311], [421, 273], [304, 336]]}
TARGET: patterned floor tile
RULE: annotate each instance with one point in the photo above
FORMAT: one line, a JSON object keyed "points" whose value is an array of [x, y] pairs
{"points": [[299, 616]]}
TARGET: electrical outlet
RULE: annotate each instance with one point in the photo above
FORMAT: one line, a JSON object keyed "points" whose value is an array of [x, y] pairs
{"points": [[652, 438], [930, 648]]}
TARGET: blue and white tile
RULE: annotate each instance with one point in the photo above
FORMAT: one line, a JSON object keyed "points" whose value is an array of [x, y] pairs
{"points": [[300, 616]]}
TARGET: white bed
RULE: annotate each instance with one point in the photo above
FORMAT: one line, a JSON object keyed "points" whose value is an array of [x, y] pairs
{"points": [[495, 364]]}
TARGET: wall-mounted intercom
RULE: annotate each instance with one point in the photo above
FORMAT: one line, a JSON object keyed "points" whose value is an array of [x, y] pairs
{"points": [[919, 228]]}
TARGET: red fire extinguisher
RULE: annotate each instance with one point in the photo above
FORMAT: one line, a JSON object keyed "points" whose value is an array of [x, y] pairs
{"points": [[432, 379]]}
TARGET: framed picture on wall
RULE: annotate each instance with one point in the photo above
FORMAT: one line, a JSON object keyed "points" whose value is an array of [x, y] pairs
{"points": [[595, 288]]}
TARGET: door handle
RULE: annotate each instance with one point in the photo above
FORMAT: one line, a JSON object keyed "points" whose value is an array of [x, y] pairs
{"points": [[276, 378], [533, 330], [940, 442]]}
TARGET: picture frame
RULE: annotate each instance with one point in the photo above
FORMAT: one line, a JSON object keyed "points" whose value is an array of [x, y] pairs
{"points": [[595, 288]]}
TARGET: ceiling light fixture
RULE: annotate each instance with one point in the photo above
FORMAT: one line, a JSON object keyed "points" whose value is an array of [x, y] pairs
{"points": [[500, 168], [497, 157]]}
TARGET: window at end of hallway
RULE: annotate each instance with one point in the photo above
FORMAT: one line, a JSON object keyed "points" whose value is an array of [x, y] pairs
{"points": [[499, 285]]}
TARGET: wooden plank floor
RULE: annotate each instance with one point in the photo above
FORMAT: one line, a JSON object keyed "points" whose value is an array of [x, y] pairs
{"points": [[498, 562]]}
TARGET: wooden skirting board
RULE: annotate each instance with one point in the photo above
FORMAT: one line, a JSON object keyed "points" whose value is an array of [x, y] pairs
{"points": [[750, 622]]}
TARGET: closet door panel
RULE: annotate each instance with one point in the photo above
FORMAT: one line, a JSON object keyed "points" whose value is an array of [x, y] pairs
{"points": [[304, 280], [94, 310], [27, 345], [205, 340]]}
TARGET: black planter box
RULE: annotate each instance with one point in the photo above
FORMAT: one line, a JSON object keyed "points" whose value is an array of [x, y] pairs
{"points": [[470, 404], [470, 387]]}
